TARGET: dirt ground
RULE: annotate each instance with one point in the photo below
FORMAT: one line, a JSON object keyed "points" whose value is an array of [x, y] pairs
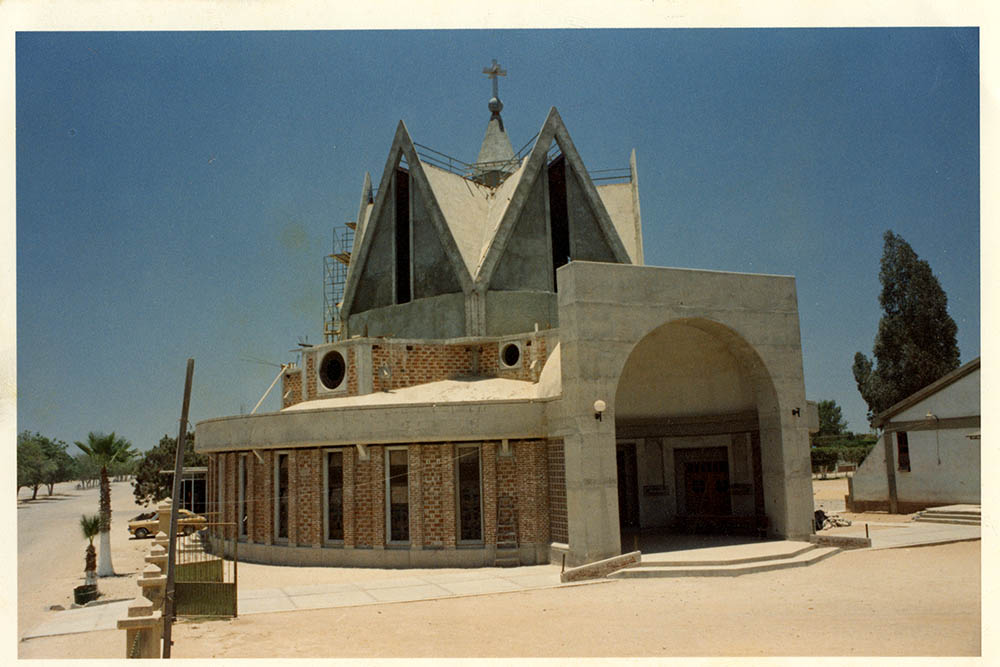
{"points": [[916, 601], [897, 602]]}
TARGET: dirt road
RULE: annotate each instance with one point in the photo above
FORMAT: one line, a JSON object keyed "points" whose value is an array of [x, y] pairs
{"points": [[898, 602], [50, 549]]}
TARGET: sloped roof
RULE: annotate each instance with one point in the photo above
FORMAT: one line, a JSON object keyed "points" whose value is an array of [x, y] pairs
{"points": [[465, 207], [932, 388]]}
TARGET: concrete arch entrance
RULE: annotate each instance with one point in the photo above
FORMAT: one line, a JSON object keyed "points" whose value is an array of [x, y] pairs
{"points": [[692, 400], [745, 329]]}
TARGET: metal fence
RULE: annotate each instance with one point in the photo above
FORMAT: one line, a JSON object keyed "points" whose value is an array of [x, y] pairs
{"points": [[206, 571]]}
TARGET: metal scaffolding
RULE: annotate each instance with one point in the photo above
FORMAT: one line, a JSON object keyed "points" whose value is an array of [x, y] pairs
{"points": [[334, 277]]}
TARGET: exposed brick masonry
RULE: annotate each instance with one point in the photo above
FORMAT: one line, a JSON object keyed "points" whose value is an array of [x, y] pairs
{"points": [[419, 363], [558, 525]]}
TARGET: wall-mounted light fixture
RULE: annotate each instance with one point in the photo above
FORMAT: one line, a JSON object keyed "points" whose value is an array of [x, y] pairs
{"points": [[599, 408], [796, 412]]}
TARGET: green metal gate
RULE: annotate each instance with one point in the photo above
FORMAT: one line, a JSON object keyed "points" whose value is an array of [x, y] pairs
{"points": [[205, 574]]}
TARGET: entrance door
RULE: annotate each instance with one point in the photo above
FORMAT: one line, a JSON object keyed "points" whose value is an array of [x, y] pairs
{"points": [[706, 487], [628, 486]]}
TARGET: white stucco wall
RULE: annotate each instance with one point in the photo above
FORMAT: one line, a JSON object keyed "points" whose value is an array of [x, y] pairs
{"points": [[944, 462]]}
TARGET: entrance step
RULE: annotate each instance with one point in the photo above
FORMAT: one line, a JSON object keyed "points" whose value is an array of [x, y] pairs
{"points": [[800, 558], [957, 520], [962, 515]]}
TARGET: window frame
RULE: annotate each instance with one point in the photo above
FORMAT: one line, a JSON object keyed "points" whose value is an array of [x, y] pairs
{"points": [[343, 451], [903, 463], [388, 497], [458, 498], [276, 486]]}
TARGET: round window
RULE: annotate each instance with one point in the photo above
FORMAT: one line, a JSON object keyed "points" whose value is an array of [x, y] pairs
{"points": [[332, 369], [511, 354]]}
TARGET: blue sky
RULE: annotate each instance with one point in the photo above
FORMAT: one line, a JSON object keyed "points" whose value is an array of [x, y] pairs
{"points": [[176, 192]]}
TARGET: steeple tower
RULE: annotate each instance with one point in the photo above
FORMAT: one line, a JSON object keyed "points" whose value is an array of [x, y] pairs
{"points": [[496, 158]]}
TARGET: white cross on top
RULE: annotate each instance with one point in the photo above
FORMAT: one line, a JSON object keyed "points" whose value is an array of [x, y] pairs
{"points": [[493, 72]]}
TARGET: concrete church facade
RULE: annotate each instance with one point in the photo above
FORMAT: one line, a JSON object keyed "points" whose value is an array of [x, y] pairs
{"points": [[513, 385]]}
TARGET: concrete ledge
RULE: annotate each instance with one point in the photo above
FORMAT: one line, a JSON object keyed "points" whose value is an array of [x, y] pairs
{"points": [[842, 541], [601, 568], [388, 557]]}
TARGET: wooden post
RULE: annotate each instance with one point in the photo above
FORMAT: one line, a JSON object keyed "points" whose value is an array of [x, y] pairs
{"points": [[168, 603], [890, 471]]}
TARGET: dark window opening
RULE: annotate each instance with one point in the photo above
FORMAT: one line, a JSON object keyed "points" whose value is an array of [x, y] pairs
{"points": [[332, 369], [334, 496], [470, 512], [558, 215], [282, 495], [399, 496], [402, 236], [903, 450], [511, 354]]}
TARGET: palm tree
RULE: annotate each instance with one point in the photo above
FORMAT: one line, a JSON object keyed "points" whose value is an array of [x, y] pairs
{"points": [[105, 450], [91, 526]]}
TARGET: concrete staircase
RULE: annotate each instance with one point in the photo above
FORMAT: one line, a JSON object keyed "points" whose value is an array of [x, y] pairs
{"points": [[728, 561], [507, 554], [959, 515]]}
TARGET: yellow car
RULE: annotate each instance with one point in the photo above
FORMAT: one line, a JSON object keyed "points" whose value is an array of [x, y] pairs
{"points": [[147, 524]]}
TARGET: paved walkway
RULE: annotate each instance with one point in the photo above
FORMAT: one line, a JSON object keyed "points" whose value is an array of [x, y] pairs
{"points": [[480, 581], [909, 534]]}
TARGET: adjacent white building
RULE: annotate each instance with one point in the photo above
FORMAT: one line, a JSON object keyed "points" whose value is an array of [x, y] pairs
{"points": [[928, 454]]}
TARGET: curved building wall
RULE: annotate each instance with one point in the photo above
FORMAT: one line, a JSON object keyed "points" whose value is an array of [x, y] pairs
{"points": [[423, 514]]}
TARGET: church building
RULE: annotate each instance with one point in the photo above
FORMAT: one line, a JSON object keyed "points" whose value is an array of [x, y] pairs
{"points": [[510, 384]]}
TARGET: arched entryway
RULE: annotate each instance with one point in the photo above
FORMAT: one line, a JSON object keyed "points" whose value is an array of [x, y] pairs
{"points": [[697, 431]]}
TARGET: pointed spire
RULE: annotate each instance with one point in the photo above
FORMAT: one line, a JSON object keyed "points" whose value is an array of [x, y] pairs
{"points": [[496, 158]]}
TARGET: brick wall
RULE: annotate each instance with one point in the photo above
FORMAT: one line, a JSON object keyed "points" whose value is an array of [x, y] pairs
{"points": [[529, 479], [489, 462], [558, 524], [350, 465], [363, 533], [419, 363], [308, 490], [291, 387], [310, 364], [532, 491], [437, 483], [378, 495]]}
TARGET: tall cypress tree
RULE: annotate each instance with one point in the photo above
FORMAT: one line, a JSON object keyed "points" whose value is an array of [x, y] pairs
{"points": [[915, 343]]}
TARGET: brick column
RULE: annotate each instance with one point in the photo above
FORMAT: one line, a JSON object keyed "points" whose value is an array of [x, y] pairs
{"points": [[350, 456], [489, 454], [416, 489], [378, 496], [293, 497], [250, 494]]}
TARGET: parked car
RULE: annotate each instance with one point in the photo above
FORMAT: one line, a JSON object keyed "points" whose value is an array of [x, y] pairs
{"points": [[148, 523]]}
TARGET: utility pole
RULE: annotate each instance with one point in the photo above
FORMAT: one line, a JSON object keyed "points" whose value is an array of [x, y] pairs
{"points": [[168, 602]]}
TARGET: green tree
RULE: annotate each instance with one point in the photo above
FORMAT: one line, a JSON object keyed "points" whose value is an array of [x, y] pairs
{"points": [[150, 485], [61, 468], [831, 421], [91, 527], [105, 450], [915, 343], [824, 459], [86, 470], [33, 466]]}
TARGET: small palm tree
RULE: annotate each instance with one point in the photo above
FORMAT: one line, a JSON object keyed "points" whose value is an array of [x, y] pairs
{"points": [[91, 526], [106, 450]]}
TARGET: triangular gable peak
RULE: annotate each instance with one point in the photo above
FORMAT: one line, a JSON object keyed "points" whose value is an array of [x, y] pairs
{"points": [[402, 148], [534, 168]]}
